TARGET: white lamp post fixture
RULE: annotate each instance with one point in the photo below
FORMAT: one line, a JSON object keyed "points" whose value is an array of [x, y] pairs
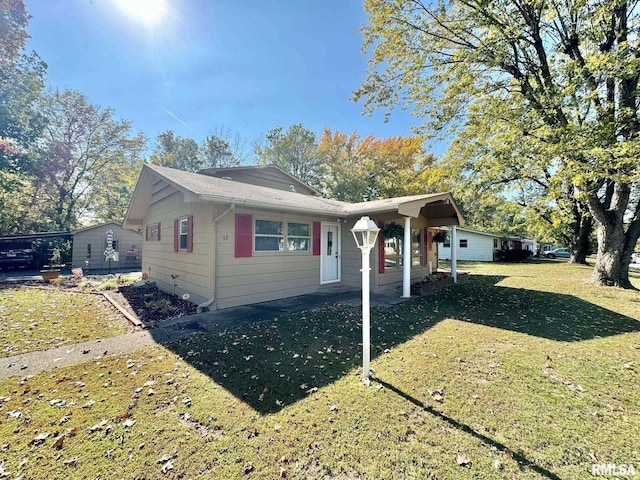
{"points": [[365, 232]]}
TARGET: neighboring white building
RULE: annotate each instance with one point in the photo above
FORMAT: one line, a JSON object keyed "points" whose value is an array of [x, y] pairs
{"points": [[472, 245]]}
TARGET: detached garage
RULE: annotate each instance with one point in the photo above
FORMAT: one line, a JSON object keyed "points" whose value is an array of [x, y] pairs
{"points": [[89, 244]]}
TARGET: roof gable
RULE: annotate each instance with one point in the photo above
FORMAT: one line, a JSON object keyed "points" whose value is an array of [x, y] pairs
{"points": [[98, 225], [270, 176]]}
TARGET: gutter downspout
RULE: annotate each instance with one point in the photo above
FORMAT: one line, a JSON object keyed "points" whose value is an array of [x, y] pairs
{"points": [[215, 221]]}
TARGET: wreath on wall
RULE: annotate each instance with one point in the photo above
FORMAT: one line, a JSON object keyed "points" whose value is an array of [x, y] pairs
{"points": [[440, 236], [393, 230]]}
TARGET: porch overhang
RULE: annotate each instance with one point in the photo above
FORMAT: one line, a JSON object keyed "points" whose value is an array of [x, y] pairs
{"points": [[439, 210]]}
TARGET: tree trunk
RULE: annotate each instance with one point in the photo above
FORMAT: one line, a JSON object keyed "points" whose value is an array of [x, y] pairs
{"points": [[579, 246], [615, 245], [614, 257]]}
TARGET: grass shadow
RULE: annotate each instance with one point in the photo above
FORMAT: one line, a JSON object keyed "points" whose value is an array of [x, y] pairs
{"points": [[273, 363], [555, 316], [520, 458]]}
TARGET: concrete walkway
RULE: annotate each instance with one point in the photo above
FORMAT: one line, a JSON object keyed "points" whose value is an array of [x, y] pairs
{"points": [[176, 329]]}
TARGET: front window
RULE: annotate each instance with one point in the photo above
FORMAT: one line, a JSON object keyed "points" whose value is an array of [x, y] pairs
{"points": [[277, 236], [298, 237], [393, 250], [269, 236], [183, 233], [416, 247]]}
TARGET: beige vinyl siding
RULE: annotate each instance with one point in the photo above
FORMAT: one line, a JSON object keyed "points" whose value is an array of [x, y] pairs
{"points": [[97, 237], [352, 257], [160, 261], [265, 275]]}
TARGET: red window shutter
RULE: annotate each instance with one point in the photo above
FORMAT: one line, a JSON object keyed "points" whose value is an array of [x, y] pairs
{"points": [[244, 235], [381, 248], [146, 235], [176, 235], [159, 231], [190, 233], [316, 238]]}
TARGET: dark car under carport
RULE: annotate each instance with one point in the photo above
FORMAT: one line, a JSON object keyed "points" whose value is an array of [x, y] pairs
{"points": [[16, 254]]}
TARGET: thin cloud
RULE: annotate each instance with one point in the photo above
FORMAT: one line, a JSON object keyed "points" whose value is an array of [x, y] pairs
{"points": [[179, 119]]}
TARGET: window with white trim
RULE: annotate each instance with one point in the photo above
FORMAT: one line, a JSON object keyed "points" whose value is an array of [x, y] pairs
{"points": [[153, 232], [298, 237], [183, 234], [278, 236]]}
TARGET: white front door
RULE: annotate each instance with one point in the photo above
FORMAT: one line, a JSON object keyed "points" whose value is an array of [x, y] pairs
{"points": [[330, 253]]}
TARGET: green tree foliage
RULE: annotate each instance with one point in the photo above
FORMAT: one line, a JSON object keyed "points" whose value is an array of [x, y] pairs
{"points": [[21, 82], [521, 172], [358, 169], [218, 150], [222, 149], [79, 150], [176, 152], [295, 151], [109, 198], [561, 76]]}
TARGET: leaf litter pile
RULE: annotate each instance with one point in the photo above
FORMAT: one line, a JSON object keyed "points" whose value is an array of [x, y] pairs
{"points": [[469, 383]]}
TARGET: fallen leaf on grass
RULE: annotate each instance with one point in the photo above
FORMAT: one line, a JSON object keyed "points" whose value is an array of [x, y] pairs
{"points": [[167, 466], [72, 462], [98, 426], [40, 438], [248, 467], [164, 458], [463, 460], [129, 423], [57, 443]]}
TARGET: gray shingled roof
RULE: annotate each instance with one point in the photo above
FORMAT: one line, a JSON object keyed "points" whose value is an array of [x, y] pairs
{"points": [[198, 187]]}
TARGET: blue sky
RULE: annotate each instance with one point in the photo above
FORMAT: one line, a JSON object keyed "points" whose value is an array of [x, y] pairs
{"points": [[242, 65]]}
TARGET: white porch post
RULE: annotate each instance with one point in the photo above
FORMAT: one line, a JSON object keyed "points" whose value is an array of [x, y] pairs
{"points": [[406, 256], [454, 253]]}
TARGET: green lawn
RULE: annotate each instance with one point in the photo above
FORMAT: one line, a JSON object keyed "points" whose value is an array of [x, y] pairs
{"points": [[521, 371], [36, 319]]}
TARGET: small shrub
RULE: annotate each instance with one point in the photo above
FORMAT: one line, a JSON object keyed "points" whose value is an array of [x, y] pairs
{"points": [[513, 255], [162, 306]]}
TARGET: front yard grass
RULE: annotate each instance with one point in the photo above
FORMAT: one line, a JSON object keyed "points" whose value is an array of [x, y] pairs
{"points": [[36, 319], [523, 371]]}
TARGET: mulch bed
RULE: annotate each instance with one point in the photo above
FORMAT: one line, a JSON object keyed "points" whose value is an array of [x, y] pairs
{"points": [[152, 305]]}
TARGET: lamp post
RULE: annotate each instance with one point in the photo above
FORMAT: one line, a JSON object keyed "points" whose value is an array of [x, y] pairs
{"points": [[365, 232]]}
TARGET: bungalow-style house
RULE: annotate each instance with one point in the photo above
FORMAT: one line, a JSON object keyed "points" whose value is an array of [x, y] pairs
{"points": [[89, 244], [244, 235], [476, 246]]}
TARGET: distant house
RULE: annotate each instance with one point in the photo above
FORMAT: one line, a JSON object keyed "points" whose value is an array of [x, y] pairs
{"points": [[476, 246], [244, 235], [90, 243]]}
